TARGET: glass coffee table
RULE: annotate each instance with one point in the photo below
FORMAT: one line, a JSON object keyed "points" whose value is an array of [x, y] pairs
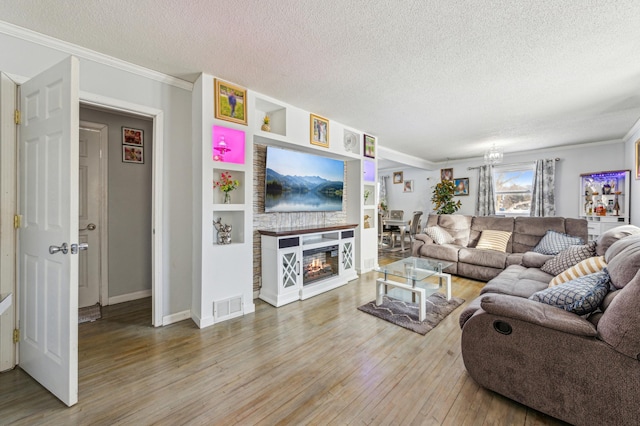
{"points": [[413, 271]]}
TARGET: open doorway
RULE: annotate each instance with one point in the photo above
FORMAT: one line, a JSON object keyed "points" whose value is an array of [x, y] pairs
{"points": [[122, 270]]}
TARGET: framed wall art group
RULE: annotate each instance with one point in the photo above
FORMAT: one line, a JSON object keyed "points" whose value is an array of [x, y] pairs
{"points": [[132, 145]]}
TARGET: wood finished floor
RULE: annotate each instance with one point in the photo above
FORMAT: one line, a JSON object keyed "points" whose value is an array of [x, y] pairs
{"points": [[318, 361]]}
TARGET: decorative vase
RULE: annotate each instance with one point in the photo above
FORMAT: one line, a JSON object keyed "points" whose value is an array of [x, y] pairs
{"points": [[266, 127], [227, 198]]}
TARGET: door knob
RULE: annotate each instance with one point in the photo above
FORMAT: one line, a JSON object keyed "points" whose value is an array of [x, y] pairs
{"points": [[75, 248], [55, 249], [89, 227]]}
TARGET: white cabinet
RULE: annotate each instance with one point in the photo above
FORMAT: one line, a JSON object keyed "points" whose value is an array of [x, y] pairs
{"points": [[298, 263], [605, 200]]}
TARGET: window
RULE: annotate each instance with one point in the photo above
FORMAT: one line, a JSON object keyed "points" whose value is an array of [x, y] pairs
{"points": [[512, 186]]}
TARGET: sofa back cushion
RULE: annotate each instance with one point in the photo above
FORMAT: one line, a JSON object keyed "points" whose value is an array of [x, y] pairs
{"points": [[458, 226], [618, 325], [528, 231], [606, 239], [623, 260], [493, 223]]}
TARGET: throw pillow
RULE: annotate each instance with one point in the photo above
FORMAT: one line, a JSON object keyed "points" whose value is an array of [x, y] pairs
{"points": [[438, 235], [586, 267], [580, 296], [554, 242], [494, 240], [569, 257]]}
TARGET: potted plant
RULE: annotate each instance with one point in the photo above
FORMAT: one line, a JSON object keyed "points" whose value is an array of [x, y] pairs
{"points": [[443, 198]]}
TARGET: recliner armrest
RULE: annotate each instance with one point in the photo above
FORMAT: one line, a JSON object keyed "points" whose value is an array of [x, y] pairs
{"points": [[424, 238], [537, 313]]}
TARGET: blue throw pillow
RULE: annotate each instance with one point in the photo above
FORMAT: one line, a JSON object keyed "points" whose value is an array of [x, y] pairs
{"points": [[580, 296], [554, 242]]}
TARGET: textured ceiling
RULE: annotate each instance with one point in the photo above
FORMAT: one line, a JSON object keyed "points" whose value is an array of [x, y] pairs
{"points": [[435, 79]]}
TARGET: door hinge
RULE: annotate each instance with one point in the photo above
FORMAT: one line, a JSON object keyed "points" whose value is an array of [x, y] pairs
{"points": [[16, 335], [16, 116], [17, 221]]}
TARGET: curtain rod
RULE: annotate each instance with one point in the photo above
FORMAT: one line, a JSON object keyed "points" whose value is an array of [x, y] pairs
{"points": [[512, 164]]}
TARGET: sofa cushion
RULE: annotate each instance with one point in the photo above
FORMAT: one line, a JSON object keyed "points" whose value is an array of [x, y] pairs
{"points": [[586, 267], [569, 257], [554, 242], [580, 296], [623, 260], [514, 259], [474, 256], [518, 281], [494, 240], [438, 235], [482, 223], [531, 259], [528, 231], [458, 226], [606, 239], [448, 252]]}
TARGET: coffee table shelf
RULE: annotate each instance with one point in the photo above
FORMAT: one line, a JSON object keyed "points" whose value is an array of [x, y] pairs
{"points": [[414, 270]]}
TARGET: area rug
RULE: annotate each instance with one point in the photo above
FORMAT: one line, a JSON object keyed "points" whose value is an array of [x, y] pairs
{"points": [[89, 313], [406, 314]]}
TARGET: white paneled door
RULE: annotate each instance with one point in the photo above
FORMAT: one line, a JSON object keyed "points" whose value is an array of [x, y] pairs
{"points": [[48, 259]]}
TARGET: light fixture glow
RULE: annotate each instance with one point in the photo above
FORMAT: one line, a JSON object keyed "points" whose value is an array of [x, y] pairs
{"points": [[493, 155]]}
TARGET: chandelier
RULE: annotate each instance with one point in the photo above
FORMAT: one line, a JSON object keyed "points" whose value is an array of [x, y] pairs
{"points": [[493, 155]]}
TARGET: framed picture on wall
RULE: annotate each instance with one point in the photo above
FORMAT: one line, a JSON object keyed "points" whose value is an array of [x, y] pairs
{"points": [[446, 174], [369, 146], [132, 154], [230, 102], [319, 131], [398, 177], [408, 186], [132, 136], [462, 186]]}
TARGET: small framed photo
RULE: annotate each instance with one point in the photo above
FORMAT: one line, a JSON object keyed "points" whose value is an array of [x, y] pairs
{"points": [[132, 136], [369, 146], [408, 186], [446, 174], [398, 177], [230, 102], [132, 154], [319, 131], [462, 186]]}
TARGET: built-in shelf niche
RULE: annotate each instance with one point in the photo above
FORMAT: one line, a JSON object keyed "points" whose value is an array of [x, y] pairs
{"points": [[233, 218], [277, 114], [237, 195], [369, 219], [227, 145], [369, 170], [369, 200]]}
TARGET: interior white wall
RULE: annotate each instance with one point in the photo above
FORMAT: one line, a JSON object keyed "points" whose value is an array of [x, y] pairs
{"points": [[574, 160], [129, 205], [28, 58]]}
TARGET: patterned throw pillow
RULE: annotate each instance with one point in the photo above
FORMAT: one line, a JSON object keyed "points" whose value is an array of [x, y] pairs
{"points": [[494, 240], [554, 242], [580, 296], [586, 267], [569, 257], [438, 235]]}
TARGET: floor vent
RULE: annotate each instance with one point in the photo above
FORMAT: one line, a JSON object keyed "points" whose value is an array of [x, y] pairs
{"points": [[227, 308]]}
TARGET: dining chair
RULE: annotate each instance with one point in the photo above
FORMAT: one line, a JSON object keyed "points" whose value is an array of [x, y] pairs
{"points": [[383, 235], [414, 227]]}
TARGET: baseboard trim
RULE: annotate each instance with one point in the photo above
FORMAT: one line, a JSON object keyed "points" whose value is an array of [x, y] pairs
{"points": [[177, 317], [129, 297]]}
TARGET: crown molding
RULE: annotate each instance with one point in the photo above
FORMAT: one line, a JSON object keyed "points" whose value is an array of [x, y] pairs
{"points": [[84, 53]]}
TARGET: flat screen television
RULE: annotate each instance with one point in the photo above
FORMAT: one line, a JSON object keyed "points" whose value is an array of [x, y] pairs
{"points": [[299, 182]]}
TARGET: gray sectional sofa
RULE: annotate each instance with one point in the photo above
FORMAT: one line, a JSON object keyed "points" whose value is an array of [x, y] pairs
{"points": [[580, 369], [483, 265]]}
